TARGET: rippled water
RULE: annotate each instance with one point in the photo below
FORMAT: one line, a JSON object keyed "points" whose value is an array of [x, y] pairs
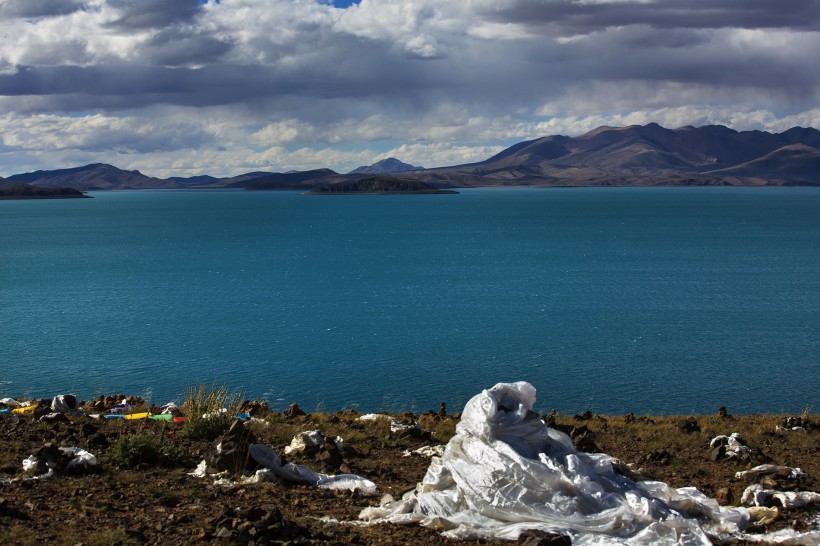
{"points": [[661, 300]]}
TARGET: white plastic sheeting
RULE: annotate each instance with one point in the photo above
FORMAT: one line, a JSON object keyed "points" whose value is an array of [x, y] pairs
{"points": [[311, 439], [267, 457], [505, 471], [758, 495]]}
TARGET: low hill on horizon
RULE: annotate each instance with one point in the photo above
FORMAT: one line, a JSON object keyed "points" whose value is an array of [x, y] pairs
{"points": [[637, 155], [390, 165], [96, 176]]}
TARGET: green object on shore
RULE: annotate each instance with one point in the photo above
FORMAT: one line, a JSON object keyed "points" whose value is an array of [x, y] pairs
{"points": [[162, 417]]}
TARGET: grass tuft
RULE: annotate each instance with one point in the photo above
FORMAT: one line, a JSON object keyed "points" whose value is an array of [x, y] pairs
{"points": [[210, 410]]}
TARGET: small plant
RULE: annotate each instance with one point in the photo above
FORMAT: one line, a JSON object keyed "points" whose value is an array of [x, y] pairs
{"points": [[210, 410], [136, 450]]}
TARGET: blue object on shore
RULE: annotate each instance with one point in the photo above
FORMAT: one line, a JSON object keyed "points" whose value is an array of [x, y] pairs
{"points": [[5, 410], [114, 416], [243, 416]]}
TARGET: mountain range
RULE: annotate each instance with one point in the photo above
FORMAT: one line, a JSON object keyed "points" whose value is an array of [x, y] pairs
{"points": [[638, 155]]}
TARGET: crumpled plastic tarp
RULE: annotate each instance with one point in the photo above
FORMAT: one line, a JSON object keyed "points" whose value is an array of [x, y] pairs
{"points": [[758, 495], [289, 472], [311, 439], [505, 472], [395, 426], [267, 457], [734, 444]]}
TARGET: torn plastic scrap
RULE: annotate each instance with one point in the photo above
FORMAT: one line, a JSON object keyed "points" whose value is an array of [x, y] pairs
{"points": [[267, 457], [758, 495], [771, 469]]}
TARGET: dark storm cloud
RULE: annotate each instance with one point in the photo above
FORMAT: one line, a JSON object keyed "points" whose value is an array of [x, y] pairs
{"points": [[10, 9], [569, 17], [140, 14], [172, 48]]}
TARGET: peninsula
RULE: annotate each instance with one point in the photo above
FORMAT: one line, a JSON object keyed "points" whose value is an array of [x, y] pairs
{"points": [[377, 185], [25, 191]]}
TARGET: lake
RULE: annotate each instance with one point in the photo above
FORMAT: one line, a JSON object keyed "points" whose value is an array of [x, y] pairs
{"points": [[652, 300]]}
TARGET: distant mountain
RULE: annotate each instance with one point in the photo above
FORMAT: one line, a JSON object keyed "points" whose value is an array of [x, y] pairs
{"points": [[97, 176], [638, 155], [386, 166], [793, 163], [298, 180], [647, 155], [200, 180]]}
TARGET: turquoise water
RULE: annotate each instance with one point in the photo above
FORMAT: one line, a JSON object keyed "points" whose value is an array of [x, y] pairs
{"points": [[660, 300]]}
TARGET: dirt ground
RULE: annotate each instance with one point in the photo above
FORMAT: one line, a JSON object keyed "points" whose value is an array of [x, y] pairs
{"points": [[134, 496]]}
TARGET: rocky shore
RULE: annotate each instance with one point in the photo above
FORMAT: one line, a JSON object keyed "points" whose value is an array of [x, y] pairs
{"points": [[118, 471]]}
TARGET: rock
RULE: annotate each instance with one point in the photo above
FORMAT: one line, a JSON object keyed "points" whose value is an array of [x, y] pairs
{"points": [[762, 515], [717, 453], [584, 439], [586, 416], [534, 537], [253, 407], [98, 439], [660, 456], [255, 525], [294, 411], [87, 429], [54, 418], [724, 497], [689, 425], [230, 451], [50, 456], [769, 482]]}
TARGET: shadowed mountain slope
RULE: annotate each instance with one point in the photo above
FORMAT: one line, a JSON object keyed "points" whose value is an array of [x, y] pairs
{"points": [[638, 155]]}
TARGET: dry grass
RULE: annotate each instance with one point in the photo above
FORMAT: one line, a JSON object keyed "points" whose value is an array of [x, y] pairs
{"points": [[209, 409]]}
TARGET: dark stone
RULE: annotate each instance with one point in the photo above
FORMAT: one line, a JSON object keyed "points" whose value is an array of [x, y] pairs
{"points": [[660, 456], [234, 454], [54, 418], [98, 439], [50, 456], [294, 411], [584, 439], [718, 453], [533, 537], [689, 425], [724, 497], [442, 410], [87, 429], [586, 416]]}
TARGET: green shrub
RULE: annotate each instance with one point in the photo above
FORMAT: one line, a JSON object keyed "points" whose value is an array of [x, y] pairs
{"points": [[136, 450]]}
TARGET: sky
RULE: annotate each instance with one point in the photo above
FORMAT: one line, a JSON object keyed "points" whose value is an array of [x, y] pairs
{"points": [[189, 87]]}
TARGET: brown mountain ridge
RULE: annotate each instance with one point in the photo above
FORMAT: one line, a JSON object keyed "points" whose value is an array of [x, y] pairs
{"points": [[637, 155]]}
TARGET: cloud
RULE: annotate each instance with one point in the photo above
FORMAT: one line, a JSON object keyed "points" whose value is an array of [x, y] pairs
{"points": [[575, 17], [27, 9], [278, 80]]}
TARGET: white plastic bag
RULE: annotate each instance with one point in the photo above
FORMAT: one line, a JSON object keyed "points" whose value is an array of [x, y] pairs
{"points": [[505, 472]]}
